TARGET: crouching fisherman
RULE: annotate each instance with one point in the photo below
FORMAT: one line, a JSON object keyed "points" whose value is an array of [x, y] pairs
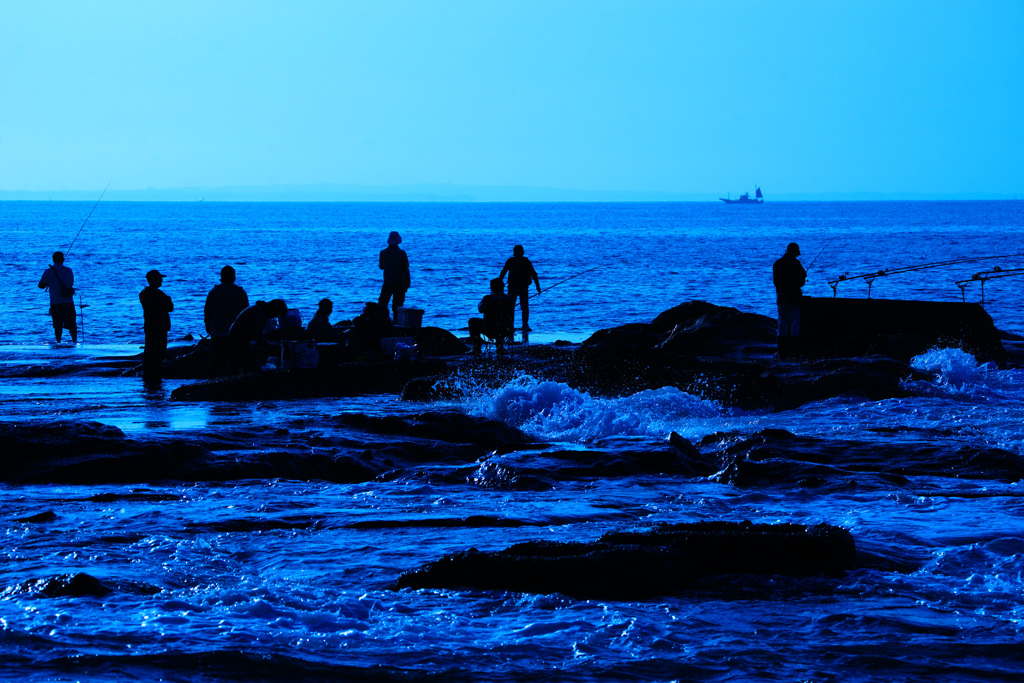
{"points": [[156, 313], [250, 326], [498, 310]]}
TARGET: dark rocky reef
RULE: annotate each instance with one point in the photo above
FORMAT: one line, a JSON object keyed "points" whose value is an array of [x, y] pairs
{"points": [[896, 328], [92, 453], [665, 560], [727, 356], [850, 348]]}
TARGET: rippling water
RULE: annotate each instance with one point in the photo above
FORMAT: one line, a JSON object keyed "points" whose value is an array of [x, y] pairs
{"points": [[257, 578]]}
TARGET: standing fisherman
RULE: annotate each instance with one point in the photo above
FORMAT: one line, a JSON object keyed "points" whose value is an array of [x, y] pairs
{"points": [[395, 264], [156, 312], [223, 304], [520, 273], [59, 279], [789, 277]]}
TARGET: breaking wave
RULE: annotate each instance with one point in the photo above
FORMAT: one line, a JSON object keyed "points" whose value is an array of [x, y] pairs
{"points": [[555, 411], [955, 370]]}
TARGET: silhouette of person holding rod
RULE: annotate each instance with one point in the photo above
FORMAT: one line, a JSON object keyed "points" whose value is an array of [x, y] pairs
{"points": [[789, 277], [520, 273], [60, 281]]}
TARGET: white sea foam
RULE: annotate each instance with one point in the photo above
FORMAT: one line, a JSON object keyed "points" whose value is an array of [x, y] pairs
{"points": [[556, 411], [956, 370]]}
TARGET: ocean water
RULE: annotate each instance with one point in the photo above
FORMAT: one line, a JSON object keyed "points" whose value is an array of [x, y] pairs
{"points": [[259, 577]]}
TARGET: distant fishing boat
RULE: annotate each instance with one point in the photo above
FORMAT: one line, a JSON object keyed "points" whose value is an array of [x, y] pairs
{"points": [[745, 198]]}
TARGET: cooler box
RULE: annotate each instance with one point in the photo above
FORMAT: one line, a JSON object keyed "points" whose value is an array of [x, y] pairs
{"points": [[409, 317], [299, 354]]}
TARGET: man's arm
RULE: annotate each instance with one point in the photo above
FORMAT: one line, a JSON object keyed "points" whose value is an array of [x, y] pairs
{"points": [[43, 282], [536, 280], [504, 270]]}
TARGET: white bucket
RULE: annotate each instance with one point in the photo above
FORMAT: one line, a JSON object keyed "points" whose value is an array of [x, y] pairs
{"points": [[299, 354]]}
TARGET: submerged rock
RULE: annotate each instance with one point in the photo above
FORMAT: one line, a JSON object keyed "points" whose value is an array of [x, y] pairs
{"points": [[636, 565], [345, 379], [80, 585], [775, 456]]}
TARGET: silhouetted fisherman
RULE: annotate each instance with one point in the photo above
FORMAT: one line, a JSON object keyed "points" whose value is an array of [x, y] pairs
{"points": [[59, 279], [319, 327], [789, 277], [395, 264], [520, 274], [223, 304], [156, 313], [499, 310], [251, 326]]}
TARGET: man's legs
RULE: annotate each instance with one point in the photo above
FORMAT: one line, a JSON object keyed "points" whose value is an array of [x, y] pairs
{"points": [[64, 316], [789, 329], [153, 357], [385, 295]]}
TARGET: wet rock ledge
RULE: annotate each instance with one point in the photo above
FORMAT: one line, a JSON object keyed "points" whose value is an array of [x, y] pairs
{"points": [[644, 564]]}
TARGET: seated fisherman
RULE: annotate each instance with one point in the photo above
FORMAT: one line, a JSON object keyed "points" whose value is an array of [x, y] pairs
{"points": [[368, 328], [319, 328], [249, 327], [498, 309]]}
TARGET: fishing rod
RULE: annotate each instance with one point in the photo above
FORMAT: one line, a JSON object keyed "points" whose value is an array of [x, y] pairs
{"points": [[565, 280], [68, 251], [820, 253], [870, 277], [984, 277]]}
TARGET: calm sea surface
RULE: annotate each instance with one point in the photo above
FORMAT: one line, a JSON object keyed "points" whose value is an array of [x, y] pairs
{"points": [[274, 579]]}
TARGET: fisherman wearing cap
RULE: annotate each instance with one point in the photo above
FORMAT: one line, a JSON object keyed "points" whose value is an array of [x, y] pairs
{"points": [[59, 279], [789, 276], [395, 264], [156, 312]]}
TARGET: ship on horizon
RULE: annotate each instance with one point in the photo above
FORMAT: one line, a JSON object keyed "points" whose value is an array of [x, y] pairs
{"points": [[745, 198]]}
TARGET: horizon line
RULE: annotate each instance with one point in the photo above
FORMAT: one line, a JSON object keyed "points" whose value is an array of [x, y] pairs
{"points": [[451, 193]]}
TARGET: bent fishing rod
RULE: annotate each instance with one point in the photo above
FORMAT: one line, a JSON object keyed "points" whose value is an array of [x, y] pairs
{"points": [[68, 251], [870, 277]]}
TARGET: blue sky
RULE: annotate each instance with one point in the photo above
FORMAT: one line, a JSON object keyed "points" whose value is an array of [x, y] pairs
{"points": [[672, 97]]}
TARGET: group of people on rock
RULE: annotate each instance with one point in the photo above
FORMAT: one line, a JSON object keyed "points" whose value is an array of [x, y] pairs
{"points": [[234, 325]]}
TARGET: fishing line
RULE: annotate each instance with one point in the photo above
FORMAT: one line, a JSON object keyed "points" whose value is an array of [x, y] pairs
{"points": [[820, 253], [565, 280], [68, 251]]}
